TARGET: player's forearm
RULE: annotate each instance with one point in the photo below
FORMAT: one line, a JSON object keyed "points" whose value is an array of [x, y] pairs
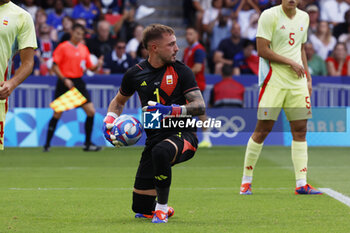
{"points": [[196, 105], [270, 55], [22, 73], [118, 103], [115, 107]]}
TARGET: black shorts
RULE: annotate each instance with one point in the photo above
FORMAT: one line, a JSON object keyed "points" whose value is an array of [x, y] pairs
{"points": [[78, 83], [144, 176]]}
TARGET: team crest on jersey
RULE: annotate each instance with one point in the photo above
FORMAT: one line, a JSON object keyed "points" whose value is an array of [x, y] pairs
{"points": [[301, 28], [169, 79], [5, 21]]}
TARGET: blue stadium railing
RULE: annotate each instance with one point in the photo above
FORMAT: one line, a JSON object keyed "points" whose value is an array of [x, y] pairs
{"points": [[38, 91]]}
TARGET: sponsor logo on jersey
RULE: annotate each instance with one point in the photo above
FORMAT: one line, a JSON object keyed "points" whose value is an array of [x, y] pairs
{"points": [[283, 27], [143, 84]]}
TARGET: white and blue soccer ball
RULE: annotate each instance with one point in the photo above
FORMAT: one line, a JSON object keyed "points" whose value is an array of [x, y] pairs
{"points": [[127, 129]]}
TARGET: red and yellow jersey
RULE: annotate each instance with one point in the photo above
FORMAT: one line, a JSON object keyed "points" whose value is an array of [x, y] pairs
{"points": [[72, 59]]}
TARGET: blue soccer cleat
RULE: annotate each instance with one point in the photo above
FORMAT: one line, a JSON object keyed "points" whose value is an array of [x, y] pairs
{"points": [[307, 189], [246, 189], [171, 212], [160, 217]]}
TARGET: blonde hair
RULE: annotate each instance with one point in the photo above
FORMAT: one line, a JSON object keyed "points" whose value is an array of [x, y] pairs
{"points": [[155, 32]]}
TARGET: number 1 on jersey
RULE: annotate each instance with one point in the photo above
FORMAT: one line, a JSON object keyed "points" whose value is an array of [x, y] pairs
{"points": [[156, 92]]}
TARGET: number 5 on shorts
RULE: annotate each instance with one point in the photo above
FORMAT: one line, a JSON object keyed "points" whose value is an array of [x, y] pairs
{"points": [[1, 131]]}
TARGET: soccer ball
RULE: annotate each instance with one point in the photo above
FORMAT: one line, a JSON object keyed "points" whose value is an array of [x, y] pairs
{"points": [[127, 129]]}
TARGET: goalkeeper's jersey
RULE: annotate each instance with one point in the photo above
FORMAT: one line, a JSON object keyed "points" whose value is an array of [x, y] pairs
{"points": [[16, 32], [166, 85], [286, 36]]}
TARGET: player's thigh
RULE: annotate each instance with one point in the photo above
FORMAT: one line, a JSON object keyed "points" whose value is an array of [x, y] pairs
{"points": [[297, 105], [3, 110], [186, 143], [270, 103]]}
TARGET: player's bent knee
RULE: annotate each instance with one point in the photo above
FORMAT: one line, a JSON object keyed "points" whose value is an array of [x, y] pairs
{"points": [[143, 204], [163, 152]]}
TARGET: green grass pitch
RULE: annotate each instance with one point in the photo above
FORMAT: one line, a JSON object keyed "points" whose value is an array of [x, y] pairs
{"points": [[67, 190]]}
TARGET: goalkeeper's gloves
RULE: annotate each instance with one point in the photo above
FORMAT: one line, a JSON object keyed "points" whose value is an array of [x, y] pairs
{"points": [[172, 110], [108, 124]]}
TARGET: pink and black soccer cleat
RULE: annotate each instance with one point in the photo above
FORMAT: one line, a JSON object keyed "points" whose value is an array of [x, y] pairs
{"points": [[307, 189]]}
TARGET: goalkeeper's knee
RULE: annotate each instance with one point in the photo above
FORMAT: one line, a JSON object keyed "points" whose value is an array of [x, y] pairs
{"points": [[143, 204], [162, 154]]}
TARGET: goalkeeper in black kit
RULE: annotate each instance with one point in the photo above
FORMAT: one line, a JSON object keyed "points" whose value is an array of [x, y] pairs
{"points": [[166, 87]]}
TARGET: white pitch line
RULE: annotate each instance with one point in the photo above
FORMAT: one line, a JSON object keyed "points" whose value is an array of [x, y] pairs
{"points": [[122, 189], [336, 195]]}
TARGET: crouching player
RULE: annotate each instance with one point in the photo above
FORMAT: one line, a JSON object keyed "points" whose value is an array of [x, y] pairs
{"points": [[165, 87]]}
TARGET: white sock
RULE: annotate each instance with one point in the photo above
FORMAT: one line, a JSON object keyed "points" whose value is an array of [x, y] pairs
{"points": [[301, 183], [206, 136], [161, 207], [247, 179]]}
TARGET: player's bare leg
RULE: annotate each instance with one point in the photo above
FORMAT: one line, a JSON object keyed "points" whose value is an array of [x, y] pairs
{"points": [[254, 146]]}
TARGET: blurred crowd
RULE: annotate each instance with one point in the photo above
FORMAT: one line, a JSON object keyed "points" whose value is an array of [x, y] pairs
{"points": [[226, 29]]}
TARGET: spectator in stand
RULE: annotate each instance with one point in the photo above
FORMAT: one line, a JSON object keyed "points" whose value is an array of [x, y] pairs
{"points": [[118, 61], [333, 11], [210, 18], [194, 57], [227, 92], [30, 6], [314, 15], [200, 6], [339, 63], [102, 43], [133, 44], [67, 25], [46, 46], [264, 4], [245, 9], [228, 48], [142, 53], [302, 5], [345, 38], [111, 6], [233, 4], [250, 32], [221, 30], [123, 28], [342, 28], [41, 18], [54, 19], [87, 10], [316, 64], [247, 61], [322, 40]]}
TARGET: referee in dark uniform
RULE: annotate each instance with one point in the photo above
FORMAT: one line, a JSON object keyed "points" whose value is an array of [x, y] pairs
{"points": [[70, 58], [162, 79]]}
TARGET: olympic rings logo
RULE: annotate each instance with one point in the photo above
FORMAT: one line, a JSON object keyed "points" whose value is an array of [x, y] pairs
{"points": [[230, 127]]}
